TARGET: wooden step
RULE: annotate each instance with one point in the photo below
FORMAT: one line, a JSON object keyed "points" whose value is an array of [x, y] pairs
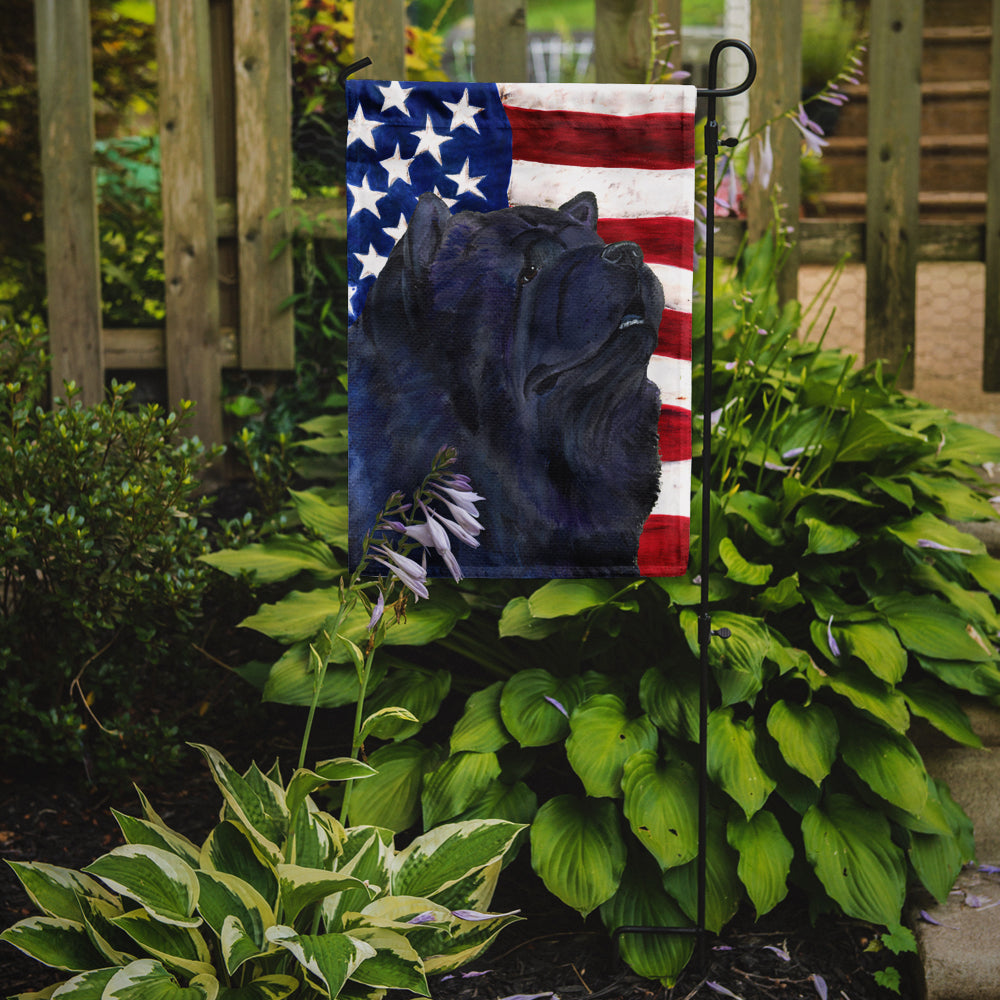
{"points": [[939, 13], [947, 105], [957, 206], [956, 53]]}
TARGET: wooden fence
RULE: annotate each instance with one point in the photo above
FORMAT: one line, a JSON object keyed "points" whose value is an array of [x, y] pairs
{"points": [[226, 160]]}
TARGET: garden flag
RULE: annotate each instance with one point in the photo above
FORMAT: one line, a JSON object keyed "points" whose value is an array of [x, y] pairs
{"points": [[520, 279]]}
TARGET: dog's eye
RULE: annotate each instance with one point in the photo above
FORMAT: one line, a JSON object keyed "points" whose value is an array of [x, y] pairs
{"points": [[527, 274]]}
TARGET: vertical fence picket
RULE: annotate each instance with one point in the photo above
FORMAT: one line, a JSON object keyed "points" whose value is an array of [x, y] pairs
{"points": [[991, 332], [501, 40], [380, 34], [776, 34], [621, 40], [190, 253], [261, 58], [72, 257], [892, 215]]}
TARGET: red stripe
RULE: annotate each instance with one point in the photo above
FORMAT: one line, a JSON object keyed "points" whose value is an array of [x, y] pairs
{"points": [[581, 138], [664, 239], [663, 545], [674, 427], [673, 339]]}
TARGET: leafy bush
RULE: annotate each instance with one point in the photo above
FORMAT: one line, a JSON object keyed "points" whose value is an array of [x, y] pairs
{"points": [[854, 602], [279, 899], [99, 539]]}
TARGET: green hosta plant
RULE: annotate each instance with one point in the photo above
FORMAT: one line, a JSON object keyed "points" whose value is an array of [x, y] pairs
{"points": [[279, 900]]}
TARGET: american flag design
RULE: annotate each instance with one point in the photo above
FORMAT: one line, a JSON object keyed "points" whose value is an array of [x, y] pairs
{"points": [[486, 146]]}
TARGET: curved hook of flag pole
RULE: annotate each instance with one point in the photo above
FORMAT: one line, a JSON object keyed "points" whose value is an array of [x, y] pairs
{"points": [[352, 68]]}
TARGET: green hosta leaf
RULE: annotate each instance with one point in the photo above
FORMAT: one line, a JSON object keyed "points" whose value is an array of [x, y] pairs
{"points": [[440, 858], [758, 511], [738, 569], [386, 723], [865, 692], [159, 881], [783, 595], [671, 699], [876, 646], [327, 520], [765, 858], [641, 901], [56, 891], [225, 897], [893, 488], [528, 710], [732, 760], [928, 528], [54, 941], [888, 763], [147, 979], [957, 501], [279, 558], [391, 798], [578, 851], [965, 443], [850, 848], [869, 436], [292, 680], [517, 620], [976, 605], [931, 628], [807, 736], [395, 964], [330, 959], [602, 738], [275, 987], [558, 598], [986, 571], [260, 809], [141, 831], [738, 661], [481, 728], [937, 858], [827, 539], [723, 889], [180, 948], [516, 803], [301, 887], [230, 849], [415, 689], [661, 798], [976, 678], [456, 784], [941, 709]]}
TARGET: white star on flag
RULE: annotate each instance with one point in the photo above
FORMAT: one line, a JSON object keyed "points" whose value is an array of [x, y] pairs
{"points": [[395, 97], [364, 197], [449, 202], [397, 168], [430, 141], [463, 113], [396, 231], [360, 128], [371, 263], [465, 183]]}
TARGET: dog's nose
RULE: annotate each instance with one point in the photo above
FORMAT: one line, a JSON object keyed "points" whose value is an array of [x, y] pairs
{"points": [[623, 254]]}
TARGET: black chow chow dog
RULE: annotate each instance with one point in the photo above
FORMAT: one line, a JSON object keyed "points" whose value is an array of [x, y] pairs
{"points": [[521, 339]]}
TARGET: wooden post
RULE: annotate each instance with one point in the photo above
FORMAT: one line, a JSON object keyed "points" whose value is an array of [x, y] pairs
{"points": [[623, 38], [776, 35], [991, 333], [190, 254], [261, 40], [501, 40], [380, 34], [668, 13], [893, 183], [72, 256]]}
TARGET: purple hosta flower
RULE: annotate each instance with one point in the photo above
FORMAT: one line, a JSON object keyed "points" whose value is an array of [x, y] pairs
{"points": [[927, 543], [780, 952], [475, 915], [719, 988], [465, 975], [427, 917], [820, 983], [552, 701], [412, 575], [834, 648], [989, 869], [811, 132], [727, 198], [464, 514], [761, 163], [377, 612]]}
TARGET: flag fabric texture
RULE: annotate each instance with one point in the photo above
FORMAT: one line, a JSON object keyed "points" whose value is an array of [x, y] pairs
{"points": [[483, 147]]}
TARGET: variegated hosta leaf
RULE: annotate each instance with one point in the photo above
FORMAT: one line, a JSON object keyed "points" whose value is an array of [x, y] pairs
{"points": [[395, 964], [230, 849], [602, 737], [98, 915], [147, 979], [158, 880], [256, 801], [642, 902], [54, 941], [86, 986], [465, 942], [441, 857], [315, 838], [732, 760], [765, 858], [850, 847], [304, 782], [367, 853], [476, 890], [177, 947], [535, 706], [481, 727], [661, 799], [56, 891], [578, 851], [329, 959], [274, 987], [807, 736], [225, 897], [141, 831], [888, 763], [456, 784], [300, 887]]}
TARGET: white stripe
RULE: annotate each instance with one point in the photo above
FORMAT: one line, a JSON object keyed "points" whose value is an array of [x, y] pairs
{"points": [[675, 489], [600, 98], [621, 193], [672, 377], [677, 285]]}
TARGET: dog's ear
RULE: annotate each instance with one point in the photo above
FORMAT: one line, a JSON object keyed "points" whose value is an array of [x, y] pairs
{"points": [[424, 232], [583, 208]]}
